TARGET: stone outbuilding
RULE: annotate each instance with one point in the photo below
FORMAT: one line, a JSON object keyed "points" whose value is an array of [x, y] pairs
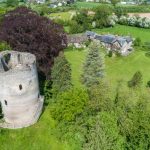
{"points": [[77, 40], [19, 90]]}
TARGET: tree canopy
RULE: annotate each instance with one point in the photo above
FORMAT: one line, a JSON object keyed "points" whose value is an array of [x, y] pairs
{"points": [[136, 80], [61, 75], [24, 30], [12, 3]]}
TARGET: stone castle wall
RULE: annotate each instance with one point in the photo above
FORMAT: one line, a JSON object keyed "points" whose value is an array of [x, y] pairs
{"points": [[19, 89]]}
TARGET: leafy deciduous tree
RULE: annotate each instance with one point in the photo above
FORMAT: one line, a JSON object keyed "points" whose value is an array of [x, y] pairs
{"points": [[12, 3], [99, 98], [104, 135], [137, 42], [114, 2], [101, 16], [136, 80], [75, 28], [132, 111], [69, 105], [24, 30], [4, 46]]}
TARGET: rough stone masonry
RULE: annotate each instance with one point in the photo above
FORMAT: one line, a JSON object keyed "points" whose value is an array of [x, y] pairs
{"points": [[19, 90]]}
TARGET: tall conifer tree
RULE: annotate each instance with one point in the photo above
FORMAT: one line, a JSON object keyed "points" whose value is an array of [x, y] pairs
{"points": [[61, 75], [93, 69]]}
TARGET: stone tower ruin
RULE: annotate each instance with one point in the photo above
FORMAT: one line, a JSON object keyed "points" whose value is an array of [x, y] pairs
{"points": [[19, 90]]}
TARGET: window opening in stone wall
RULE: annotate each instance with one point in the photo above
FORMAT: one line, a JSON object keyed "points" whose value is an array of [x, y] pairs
{"points": [[19, 59], [5, 102], [5, 61], [7, 58], [20, 87]]}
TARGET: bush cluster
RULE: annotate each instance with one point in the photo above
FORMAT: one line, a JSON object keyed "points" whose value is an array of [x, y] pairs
{"points": [[137, 42], [134, 21], [95, 117], [4, 46], [136, 80], [81, 22], [101, 17], [63, 22]]}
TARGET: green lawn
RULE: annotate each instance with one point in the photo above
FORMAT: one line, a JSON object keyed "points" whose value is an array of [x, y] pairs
{"points": [[117, 68], [39, 136], [128, 8], [36, 137], [2, 4], [144, 34], [123, 68], [76, 59], [62, 15]]}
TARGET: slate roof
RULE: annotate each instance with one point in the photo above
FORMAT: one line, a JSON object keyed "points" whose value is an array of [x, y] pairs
{"points": [[121, 41], [128, 38], [107, 39], [77, 38], [110, 39], [90, 33]]}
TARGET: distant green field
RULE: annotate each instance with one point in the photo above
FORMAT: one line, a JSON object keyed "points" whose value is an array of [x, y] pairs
{"points": [[117, 68], [62, 15], [126, 8], [135, 8], [144, 34], [87, 4]]}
